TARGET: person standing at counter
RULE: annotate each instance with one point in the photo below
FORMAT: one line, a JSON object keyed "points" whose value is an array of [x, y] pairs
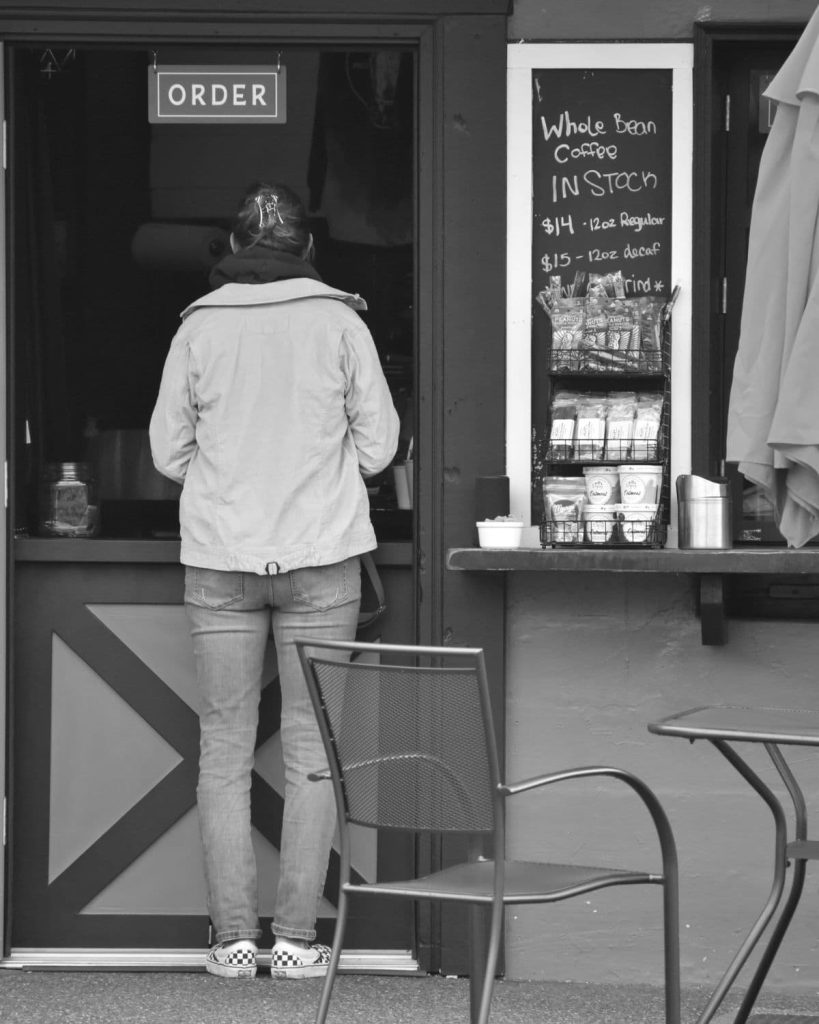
{"points": [[271, 409]]}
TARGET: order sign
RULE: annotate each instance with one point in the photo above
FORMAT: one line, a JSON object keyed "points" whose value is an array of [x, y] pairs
{"points": [[211, 94]]}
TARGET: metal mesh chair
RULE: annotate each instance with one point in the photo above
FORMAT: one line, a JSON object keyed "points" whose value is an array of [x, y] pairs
{"points": [[411, 745]]}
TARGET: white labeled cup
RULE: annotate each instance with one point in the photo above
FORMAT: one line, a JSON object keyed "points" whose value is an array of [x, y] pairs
{"points": [[637, 522], [401, 479], [599, 523], [602, 484], [640, 485]]}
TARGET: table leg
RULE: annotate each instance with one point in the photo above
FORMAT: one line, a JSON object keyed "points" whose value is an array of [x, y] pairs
{"points": [[478, 945], [777, 887], [789, 908], [770, 950]]}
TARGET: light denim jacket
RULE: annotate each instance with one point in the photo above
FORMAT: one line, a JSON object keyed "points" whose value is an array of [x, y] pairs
{"points": [[272, 407]]}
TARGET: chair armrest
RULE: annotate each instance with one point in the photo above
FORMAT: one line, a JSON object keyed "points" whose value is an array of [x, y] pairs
{"points": [[653, 805], [536, 781]]}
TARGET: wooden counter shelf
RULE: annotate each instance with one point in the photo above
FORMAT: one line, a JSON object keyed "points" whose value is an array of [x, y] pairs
{"points": [[710, 567], [59, 549]]}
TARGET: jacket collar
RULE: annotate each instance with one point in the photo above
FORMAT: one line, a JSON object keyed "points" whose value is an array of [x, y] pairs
{"points": [[272, 293]]}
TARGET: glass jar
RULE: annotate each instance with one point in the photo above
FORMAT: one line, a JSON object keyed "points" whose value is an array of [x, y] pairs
{"points": [[68, 500]]}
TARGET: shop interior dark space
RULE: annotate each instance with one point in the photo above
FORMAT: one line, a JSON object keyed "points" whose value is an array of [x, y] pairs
{"points": [[115, 223]]}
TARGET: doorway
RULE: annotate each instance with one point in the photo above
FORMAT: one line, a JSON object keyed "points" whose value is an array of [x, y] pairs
{"points": [[733, 69], [459, 315], [115, 224], [733, 66]]}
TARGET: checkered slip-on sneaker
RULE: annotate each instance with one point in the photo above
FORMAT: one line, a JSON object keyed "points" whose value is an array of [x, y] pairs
{"points": [[234, 959], [288, 961]]}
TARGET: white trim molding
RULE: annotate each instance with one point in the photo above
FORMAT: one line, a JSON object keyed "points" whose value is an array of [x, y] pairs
{"points": [[353, 961], [522, 59]]}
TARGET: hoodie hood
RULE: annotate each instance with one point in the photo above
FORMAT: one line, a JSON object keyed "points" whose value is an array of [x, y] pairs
{"points": [[296, 288], [260, 265]]}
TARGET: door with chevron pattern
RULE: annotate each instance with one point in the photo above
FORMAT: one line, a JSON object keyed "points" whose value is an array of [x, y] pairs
{"points": [[104, 832]]}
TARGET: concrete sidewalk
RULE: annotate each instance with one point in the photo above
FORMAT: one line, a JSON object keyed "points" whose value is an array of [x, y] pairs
{"points": [[80, 997]]}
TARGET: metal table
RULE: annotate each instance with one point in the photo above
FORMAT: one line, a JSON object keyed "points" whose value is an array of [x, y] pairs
{"points": [[725, 726]]}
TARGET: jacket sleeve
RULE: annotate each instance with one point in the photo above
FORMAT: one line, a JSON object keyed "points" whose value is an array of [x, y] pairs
{"points": [[371, 414], [173, 423]]}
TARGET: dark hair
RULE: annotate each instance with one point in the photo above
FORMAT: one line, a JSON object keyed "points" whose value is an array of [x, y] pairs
{"points": [[272, 216]]}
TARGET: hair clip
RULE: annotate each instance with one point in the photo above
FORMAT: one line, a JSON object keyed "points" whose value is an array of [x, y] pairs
{"points": [[268, 209]]}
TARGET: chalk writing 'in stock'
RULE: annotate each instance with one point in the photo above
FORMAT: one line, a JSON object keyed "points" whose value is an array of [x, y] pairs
{"points": [[602, 183]]}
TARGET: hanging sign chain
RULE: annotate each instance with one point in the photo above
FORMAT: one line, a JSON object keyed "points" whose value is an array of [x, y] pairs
{"points": [[51, 64]]}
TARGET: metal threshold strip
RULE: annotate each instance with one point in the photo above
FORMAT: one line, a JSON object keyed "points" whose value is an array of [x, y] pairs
{"points": [[353, 961], [782, 1018]]}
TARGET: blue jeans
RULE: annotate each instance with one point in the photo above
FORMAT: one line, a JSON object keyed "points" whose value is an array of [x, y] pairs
{"points": [[231, 614]]}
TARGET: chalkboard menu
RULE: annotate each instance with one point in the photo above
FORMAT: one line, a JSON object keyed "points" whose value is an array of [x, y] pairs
{"points": [[601, 204], [601, 154]]}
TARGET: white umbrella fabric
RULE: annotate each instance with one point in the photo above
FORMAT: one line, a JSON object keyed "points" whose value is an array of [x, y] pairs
{"points": [[773, 412]]}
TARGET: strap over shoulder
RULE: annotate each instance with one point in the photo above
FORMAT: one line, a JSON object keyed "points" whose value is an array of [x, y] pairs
{"points": [[369, 570]]}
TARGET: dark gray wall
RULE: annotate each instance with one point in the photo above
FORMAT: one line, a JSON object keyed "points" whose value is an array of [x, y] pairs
{"points": [[545, 20]]}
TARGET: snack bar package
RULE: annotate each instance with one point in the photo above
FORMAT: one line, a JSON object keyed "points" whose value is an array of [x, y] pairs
{"points": [[645, 446], [594, 335], [563, 500], [568, 319], [590, 433], [564, 422], [621, 411], [620, 326], [651, 326]]}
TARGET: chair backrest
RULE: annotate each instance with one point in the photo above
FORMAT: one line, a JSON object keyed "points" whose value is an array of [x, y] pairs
{"points": [[408, 732]]}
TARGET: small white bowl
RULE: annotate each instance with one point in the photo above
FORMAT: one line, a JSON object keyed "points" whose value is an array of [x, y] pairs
{"points": [[500, 533]]}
